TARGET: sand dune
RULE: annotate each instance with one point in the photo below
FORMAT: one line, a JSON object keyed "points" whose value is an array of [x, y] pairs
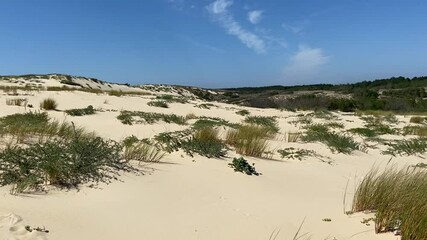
{"points": [[195, 198]]}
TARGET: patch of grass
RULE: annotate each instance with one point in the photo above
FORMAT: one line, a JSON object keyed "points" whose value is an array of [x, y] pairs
{"points": [[60, 163], [249, 140], [399, 199], [173, 141], [89, 110], [161, 104], [37, 127], [204, 105], [293, 153], [366, 132], [337, 142], [243, 112], [415, 130], [131, 117], [141, 151], [417, 119], [270, 123], [241, 165], [205, 122], [172, 99], [377, 125], [416, 146], [206, 143], [49, 104], [294, 136], [323, 114], [16, 101]]}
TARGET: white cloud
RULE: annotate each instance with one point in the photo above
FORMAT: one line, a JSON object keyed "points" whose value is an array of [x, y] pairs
{"points": [[305, 63], [255, 16], [219, 11]]}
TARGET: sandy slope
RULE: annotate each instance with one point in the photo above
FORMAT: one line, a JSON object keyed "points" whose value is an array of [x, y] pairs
{"points": [[200, 198]]}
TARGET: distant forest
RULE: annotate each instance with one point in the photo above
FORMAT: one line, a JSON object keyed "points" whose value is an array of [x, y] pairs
{"points": [[398, 94]]}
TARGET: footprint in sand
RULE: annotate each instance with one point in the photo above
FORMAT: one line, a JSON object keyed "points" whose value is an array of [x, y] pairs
{"points": [[11, 227]]}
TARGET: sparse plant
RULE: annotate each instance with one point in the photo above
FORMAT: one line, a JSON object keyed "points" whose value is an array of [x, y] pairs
{"points": [[191, 116], [293, 153], [204, 105], [294, 136], [416, 146], [241, 165], [417, 119], [243, 112], [128, 117], [141, 151], [49, 104], [205, 122], [270, 123], [366, 132], [161, 104], [206, 143], [415, 130], [89, 110], [16, 101], [249, 140]]}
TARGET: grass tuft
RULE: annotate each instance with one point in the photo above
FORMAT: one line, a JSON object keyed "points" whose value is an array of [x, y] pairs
{"points": [[270, 123], [89, 110], [249, 140], [130, 117], [161, 104], [49, 104]]}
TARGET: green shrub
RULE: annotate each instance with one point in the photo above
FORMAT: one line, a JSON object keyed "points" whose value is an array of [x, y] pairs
{"points": [[49, 104], [294, 136], [293, 153], [205, 122], [172, 99], [243, 112], [128, 117], [415, 130], [60, 163], [249, 140], [204, 106], [206, 143], [89, 110], [399, 199], [241, 165], [161, 104], [173, 141], [270, 123], [366, 132]]}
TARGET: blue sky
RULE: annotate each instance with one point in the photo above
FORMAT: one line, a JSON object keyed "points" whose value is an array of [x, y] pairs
{"points": [[215, 43]]}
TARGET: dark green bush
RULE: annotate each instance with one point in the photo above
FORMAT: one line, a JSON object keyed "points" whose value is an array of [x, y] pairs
{"points": [[243, 112], [128, 117], [241, 165], [49, 104], [89, 110], [161, 104]]}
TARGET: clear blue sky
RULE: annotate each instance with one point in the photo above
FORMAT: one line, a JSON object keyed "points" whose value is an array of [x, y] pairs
{"points": [[215, 43]]}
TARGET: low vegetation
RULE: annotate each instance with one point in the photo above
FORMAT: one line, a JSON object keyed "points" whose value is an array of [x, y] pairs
{"points": [[241, 165], [204, 105], [294, 153], [172, 98], [161, 104], [89, 110], [417, 119], [141, 151], [243, 112], [420, 131], [16, 101], [415, 146], [205, 142], [269, 123], [206, 122], [49, 104], [399, 199], [130, 118]]}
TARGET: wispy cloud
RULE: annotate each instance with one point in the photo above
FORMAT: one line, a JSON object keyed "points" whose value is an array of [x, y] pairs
{"points": [[201, 45], [255, 16], [305, 63], [219, 11]]}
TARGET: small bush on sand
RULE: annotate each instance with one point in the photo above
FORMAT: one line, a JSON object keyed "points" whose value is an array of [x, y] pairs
{"points": [[213, 122], [415, 130], [205, 142], [293, 153], [89, 110], [60, 163], [270, 123], [294, 136], [204, 106], [141, 151], [49, 104], [172, 99], [365, 132], [161, 104], [399, 199], [417, 119], [249, 140], [173, 141], [241, 165], [243, 112]]}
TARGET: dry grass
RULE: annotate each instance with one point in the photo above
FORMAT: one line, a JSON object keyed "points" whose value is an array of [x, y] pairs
{"points": [[49, 104], [249, 140]]}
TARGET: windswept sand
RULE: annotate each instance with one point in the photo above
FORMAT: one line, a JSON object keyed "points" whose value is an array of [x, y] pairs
{"points": [[196, 198]]}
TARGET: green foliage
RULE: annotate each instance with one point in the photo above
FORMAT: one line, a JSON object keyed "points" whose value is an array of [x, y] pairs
{"points": [[249, 140], [206, 143], [172, 99], [173, 141], [339, 142], [417, 119], [205, 122], [89, 110], [161, 104], [293, 153], [243, 112], [376, 124], [399, 199], [204, 105], [241, 165], [128, 117], [270, 123], [49, 104], [407, 147], [366, 132], [415, 130], [61, 163]]}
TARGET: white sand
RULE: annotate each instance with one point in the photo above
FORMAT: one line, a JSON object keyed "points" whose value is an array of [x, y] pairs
{"points": [[200, 198]]}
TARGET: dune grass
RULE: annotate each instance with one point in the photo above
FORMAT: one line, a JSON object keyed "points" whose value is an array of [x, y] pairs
{"points": [[269, 123], [89, 110], [415, 130], [172, 98], [294, 136], [136, 117], [205, 122], [417, 119], [399, 198], [49, 104], [141, 151], [337, 142], [243, 112], [249, 140], [365, 132], [16, 101], [206, 143], [408, 147], [37, 127]]}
